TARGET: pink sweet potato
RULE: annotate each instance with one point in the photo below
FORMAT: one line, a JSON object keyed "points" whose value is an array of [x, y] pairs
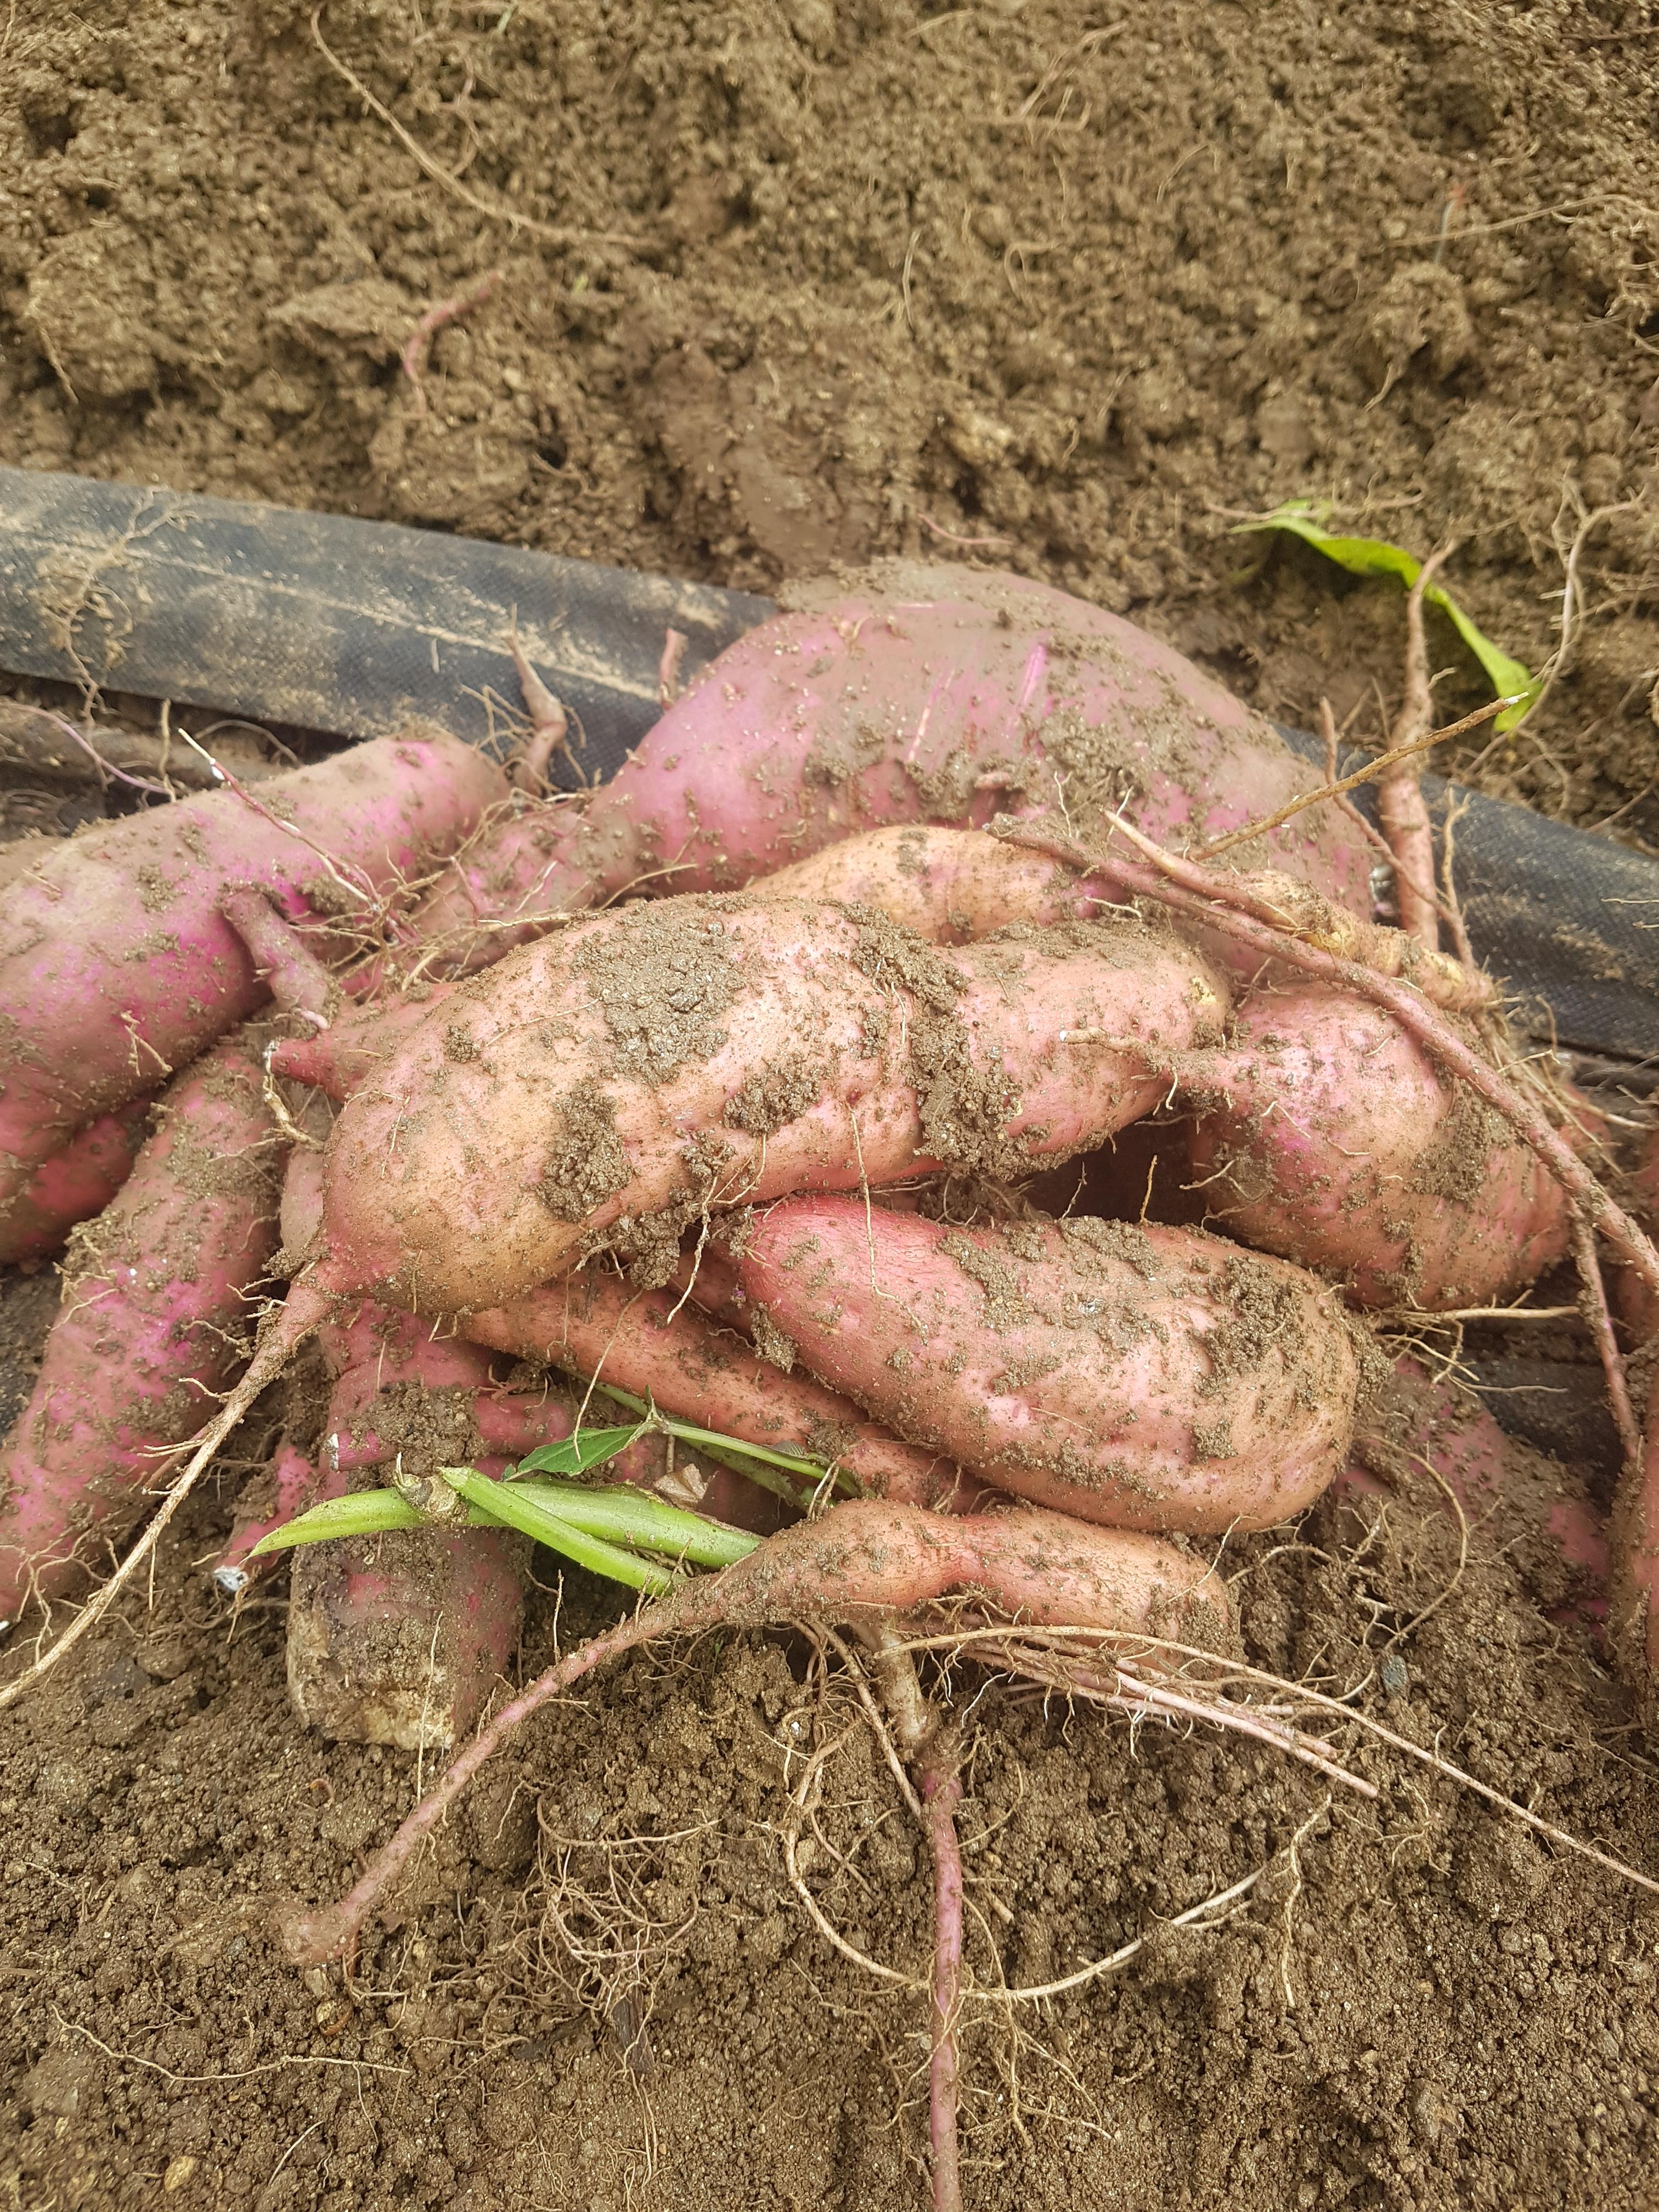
{"points": [[156, 1296], [74, 1184], [340, 1059], [1337, 1143], [1422, 1431], [703, 1052], [290, 1485], [399, 1642], [591, 1322], [1043, 1569], [934, 695], [1636, 1303], [1144, 1378], [115, 963]]}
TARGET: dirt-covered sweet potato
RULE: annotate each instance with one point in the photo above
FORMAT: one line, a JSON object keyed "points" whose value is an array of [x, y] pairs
{"points": [[402, 1645], [920, 695], [74, 1184], [1143, 1377], [617, 1080], [950, 886], [1330, 1137], [117, 965], [156, 1304]]}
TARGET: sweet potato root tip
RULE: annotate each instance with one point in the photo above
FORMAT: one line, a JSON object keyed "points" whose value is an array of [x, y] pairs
{"points": [[74, 1184]]}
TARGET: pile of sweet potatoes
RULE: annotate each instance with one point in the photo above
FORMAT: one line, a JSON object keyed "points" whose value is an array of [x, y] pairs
{"points": [[756, 1137]]}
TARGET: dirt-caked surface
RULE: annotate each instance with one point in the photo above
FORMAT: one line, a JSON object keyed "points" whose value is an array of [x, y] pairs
{"points": [[783, 283]]}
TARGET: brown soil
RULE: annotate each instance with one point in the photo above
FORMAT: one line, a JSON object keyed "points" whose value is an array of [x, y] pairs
{"points": [[1039, 284]]}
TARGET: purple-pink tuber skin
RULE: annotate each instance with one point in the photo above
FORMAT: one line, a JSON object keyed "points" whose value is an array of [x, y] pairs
{"points": [[74, 1184], [118, 966], [1098, 1371], [700, 1374], [1329, 1136], [401, 1639], [939, 696], [153, 1307], [1420, 1420]]}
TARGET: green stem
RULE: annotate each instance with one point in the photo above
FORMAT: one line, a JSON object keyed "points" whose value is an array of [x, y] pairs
{"points": [[516, 1505], [363, 1513], [633, 1517]]}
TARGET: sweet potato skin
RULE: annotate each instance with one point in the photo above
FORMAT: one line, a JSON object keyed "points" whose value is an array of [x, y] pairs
{"points": [[73, 1184], [116, 964], [1338, 1144], [1145, 1378], [402, 1649], [153, 1301], [950, 886], [706, 1051], [927, 694]]}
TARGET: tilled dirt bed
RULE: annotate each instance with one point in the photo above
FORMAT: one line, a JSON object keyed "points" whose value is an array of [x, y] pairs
{"points": [[798, 282]]}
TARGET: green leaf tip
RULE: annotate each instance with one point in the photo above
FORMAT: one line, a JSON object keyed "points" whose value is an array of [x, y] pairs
{"points": [[1305, 518]]}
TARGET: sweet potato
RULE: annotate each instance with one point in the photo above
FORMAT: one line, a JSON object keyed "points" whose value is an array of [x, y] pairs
{"points": [[288, 1485], [591, 1322], [1635, 1303], [700, 1052], [1635, 1605], [932, 694], [950, 886], [156, 1299], [1043, 1569], [402, 1645], [1332, 1139], [117, 965], [340, 1059], [74, 1184], [1147, 1378]]}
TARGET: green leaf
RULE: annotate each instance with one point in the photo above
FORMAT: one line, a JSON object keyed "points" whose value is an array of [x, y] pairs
{"points": [[516, 1506], [1374, 556], [363, 1513], [588, 1448]]}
